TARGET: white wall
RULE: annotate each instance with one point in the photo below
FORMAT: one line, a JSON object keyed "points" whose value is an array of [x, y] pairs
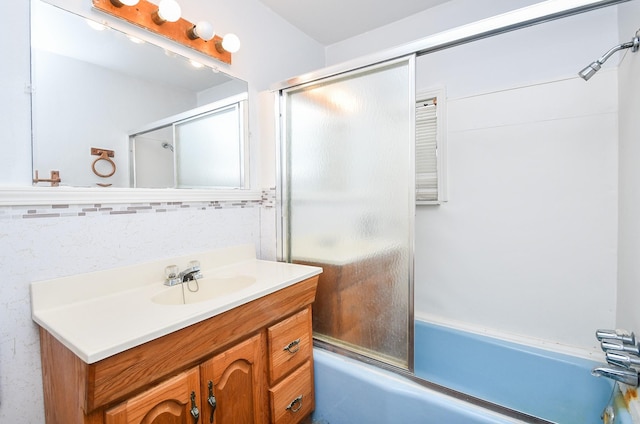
{"points": [[532, 216], [41, 248], [628, 311], [526, 246], [154, 163]]}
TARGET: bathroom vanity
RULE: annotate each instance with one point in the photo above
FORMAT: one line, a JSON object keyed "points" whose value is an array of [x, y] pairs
{"points": [[248, 352]]}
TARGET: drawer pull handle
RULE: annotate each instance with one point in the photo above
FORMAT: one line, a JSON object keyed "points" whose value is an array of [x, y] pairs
{"points": [[295, 404], [293, 347]]}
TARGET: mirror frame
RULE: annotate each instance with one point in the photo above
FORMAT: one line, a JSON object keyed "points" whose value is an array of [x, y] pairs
{"points": [[28, 195]]}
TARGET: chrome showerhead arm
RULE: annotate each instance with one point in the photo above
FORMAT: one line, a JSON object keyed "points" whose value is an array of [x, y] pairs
{"points": [[595, 66], [633, 45]]}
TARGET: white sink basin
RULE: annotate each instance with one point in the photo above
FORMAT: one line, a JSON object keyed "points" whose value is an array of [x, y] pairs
{"points": [[203, 289]]}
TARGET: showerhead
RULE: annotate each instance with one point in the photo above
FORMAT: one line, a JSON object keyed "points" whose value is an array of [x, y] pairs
{"points": [[166, 145], [595, 66], [590, 70]]}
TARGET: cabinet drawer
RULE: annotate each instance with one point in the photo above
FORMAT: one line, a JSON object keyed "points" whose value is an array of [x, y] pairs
{"points": [[289, 344], [293, 399]]}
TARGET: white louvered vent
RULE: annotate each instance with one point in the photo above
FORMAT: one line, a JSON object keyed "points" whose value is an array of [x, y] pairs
{"points": [[427, 150]]}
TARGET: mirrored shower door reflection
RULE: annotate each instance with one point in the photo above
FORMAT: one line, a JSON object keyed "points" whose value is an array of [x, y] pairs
{"points": [[348, 204]]}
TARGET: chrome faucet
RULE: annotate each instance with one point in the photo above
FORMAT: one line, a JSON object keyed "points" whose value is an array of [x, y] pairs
{"points": [[173, 277], [191, 273], [622, 352], [627, 376]]}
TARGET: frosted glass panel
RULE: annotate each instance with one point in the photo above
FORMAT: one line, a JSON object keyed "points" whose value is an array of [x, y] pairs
{"points": [[216, 136], [350, 205]]}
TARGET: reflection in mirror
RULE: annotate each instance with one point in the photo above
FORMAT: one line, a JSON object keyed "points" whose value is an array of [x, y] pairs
{"points": [[92, 86], [202, 148]]}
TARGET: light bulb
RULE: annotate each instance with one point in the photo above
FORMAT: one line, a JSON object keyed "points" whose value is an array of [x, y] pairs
{"points": [[120, 3], [168, 11], [202, 29], [231, 43]]}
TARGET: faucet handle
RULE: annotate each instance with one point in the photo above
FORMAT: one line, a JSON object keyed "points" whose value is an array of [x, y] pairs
{"points": [[624, 336], [171, 275], [621, 359], [618, 346]]}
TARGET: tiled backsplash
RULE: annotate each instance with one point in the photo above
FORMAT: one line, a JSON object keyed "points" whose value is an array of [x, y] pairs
{"points": [[57, 211]]}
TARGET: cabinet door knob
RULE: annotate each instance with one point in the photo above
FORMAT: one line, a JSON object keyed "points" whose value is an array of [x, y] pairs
{"points": [[293, 347], [212, 400], [195, 413], [295, 404]]}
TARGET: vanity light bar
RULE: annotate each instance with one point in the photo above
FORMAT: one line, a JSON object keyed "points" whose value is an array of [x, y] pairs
{"points": [[142, 15]]}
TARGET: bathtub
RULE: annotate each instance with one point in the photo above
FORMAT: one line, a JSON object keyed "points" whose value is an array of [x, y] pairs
{"points": [[351, 392], [545, 384], [545, 387]]}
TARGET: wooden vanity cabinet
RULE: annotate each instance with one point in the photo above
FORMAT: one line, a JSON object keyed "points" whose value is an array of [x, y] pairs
{"points": [[242, 352]]}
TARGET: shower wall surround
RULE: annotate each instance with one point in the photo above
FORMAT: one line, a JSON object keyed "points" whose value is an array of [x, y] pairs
{"points": [[528, 223], [628, 289]]}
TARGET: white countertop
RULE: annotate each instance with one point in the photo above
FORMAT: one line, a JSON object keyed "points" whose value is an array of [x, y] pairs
{"points": [[103, 313]]}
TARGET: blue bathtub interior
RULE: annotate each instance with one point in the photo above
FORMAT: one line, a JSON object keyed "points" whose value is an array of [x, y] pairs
{"points": [[351, 392], [554, 387], [545, 384]]}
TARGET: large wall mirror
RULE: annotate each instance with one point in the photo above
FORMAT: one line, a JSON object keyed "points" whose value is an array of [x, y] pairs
{"points": [[95, 87]]}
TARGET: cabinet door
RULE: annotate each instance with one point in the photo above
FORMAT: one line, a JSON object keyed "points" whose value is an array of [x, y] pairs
{"points": [[236, 378], [169, 402]]}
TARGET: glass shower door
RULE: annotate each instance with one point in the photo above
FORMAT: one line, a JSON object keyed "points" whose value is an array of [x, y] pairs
{"points": [[348, 204]]}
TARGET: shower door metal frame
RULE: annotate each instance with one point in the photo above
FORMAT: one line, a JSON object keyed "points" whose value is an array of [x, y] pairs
{"points": [[283, 250]]}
